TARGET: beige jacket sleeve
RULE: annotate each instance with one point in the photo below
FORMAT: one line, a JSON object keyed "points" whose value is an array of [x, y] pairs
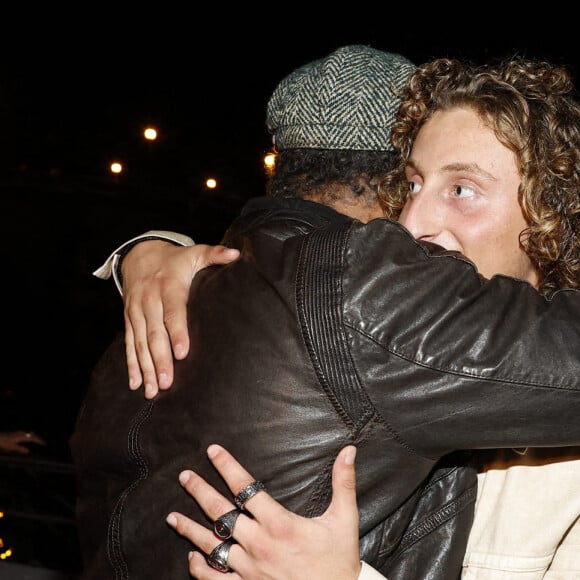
{"points": [[369, 573], [110, 267]]}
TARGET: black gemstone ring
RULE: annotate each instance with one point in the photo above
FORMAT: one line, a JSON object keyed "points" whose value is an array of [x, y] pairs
{"points": [[224, 525], [248, 493], [218, 559]]}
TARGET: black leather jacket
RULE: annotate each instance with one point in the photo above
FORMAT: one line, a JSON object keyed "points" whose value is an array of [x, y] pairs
{"points": [[327, 332]]}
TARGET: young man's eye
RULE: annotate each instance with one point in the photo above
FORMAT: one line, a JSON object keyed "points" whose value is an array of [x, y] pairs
{"points": [[464, 191], [414, 187]]}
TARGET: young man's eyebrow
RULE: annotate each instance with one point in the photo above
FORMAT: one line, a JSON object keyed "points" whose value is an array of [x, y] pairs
{"points": [[469, 167], [458, 166]]}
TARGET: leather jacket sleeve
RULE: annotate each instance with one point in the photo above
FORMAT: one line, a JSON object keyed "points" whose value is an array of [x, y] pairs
{"points": [[497, 365]]}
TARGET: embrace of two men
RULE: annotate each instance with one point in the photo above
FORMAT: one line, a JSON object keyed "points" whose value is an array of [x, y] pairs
{"points": [[417, 340]]}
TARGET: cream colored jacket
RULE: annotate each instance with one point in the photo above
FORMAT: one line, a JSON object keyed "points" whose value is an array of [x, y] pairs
{"points": [[527, 519]]}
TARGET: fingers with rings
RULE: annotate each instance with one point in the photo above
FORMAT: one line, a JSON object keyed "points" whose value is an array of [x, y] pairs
{"points": [[202, 537], [248, 493], [218, 559], [227, 522], [224, 525]]}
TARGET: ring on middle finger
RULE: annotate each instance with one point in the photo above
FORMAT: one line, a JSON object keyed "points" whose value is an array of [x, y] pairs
{"points": [[248, 493], [224, 525]]}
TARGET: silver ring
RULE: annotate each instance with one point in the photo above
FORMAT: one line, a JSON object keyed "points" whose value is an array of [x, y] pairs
{"points": [[248, 493], [224, 525], [218, 559]]}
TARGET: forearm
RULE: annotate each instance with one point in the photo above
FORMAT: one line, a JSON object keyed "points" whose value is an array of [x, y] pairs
{"points": [[153, 274], [502, 357]]}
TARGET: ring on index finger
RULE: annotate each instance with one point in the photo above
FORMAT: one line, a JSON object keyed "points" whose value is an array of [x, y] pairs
{"points": [[224, 525], [248, 493]]}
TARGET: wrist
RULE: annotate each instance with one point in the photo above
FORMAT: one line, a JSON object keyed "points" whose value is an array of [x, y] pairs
{"points": [[112, 263], [122, 254]]}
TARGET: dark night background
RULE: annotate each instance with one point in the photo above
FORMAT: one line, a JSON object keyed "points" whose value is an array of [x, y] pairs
{"points": [[77, 90]]}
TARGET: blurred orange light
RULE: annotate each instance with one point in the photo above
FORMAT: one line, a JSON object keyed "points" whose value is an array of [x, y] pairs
{"points": [[150, 134], [270, 160]]}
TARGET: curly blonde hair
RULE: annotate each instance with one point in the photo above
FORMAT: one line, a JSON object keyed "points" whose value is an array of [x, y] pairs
{"points": [[530, 107]]}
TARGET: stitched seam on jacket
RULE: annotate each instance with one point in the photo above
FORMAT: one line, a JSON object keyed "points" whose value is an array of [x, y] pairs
{"points": [[319, 306], [321, 266], [114, 549], [436, 520]]}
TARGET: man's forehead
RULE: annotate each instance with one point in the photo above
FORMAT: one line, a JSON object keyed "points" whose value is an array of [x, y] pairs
{"points": [[458, 141]]}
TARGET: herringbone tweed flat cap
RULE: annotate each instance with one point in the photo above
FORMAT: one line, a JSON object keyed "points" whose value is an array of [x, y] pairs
{"points": [[347, 100]]}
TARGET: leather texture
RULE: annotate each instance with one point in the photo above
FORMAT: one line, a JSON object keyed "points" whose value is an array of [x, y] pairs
{"points": [[328, 332]]}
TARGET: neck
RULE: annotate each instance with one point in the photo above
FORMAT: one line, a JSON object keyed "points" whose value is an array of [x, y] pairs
{"points": [[365, 207], [360, 211]]}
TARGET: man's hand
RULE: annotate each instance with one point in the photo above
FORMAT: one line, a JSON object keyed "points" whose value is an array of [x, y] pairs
{"points": [[157, 276], [275, 543], [17, 442]]}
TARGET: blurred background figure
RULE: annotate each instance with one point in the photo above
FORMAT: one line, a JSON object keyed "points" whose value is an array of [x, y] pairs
{"points": [[19, 442]]}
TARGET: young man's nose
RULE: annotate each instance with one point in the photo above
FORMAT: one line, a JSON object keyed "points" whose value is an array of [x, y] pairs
{"points": [[420, 216]]}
